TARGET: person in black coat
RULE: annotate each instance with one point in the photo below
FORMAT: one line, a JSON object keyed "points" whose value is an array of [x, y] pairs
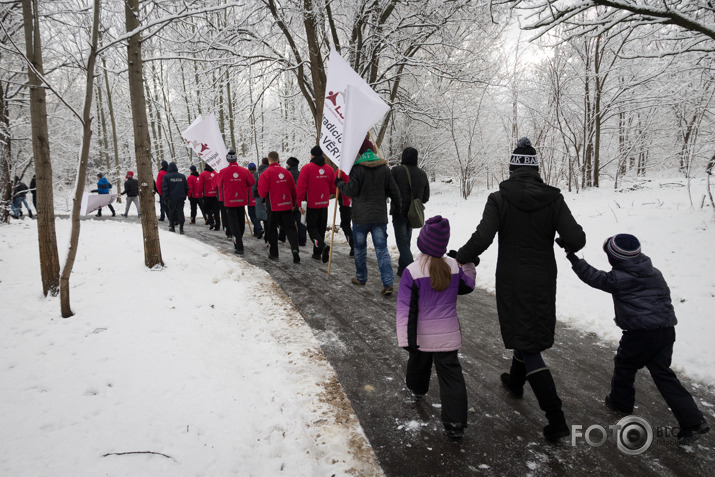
{"points": [[292, 166], [645, 313], [418, 190], [33, 191], [370, 184], [527, 214], [175, 188], [131, 189]]}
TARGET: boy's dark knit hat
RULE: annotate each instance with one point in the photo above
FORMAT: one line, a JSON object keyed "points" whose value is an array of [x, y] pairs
{"points": [[622, 247], [434, 236], [251, 166], [231, 156], [293, 161], [523, 155], [192, 168], [100, 175], [316, 151], [164, 164]]}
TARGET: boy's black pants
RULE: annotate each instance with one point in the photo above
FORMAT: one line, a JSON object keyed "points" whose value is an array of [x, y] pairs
{"points": [[452, 390], [654, 350]]}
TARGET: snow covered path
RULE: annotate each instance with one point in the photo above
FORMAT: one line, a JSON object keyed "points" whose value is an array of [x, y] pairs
{"points": [[355, 327]]}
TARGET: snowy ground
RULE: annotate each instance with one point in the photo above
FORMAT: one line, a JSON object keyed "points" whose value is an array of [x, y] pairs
{"points": [[204, 368]]}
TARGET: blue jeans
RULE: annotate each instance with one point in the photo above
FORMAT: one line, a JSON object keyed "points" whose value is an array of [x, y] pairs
{"points": [[403, 237], [17, 206], [379, 240]]}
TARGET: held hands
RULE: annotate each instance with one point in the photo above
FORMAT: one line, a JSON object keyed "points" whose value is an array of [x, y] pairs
{"points": [[453, 254], [560, 242]]}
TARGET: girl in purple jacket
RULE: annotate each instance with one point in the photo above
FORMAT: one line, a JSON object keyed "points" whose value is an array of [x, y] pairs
{"points": [[427, 323]]}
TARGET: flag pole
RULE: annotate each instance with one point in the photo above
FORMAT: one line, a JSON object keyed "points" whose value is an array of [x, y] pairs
{"points": [[248, 221], [332, 228]]}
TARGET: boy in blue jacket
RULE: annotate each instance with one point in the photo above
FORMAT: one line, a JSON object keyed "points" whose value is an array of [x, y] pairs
{"points": [[103, 187], [644, 311]]}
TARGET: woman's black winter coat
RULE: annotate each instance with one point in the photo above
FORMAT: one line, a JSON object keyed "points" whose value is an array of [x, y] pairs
{"points": [[527, 214]]}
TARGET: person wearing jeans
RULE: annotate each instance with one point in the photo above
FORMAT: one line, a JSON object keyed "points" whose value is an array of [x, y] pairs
{"points": [[379, 240], [370, 184]]}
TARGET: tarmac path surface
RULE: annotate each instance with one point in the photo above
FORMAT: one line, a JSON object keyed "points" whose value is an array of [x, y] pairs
{"points": [[356, 329]]}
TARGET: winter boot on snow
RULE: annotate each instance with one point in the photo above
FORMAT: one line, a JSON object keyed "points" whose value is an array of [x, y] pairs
{"points": [[514, 380], [545, 390], [181, 229], [171, 228]]}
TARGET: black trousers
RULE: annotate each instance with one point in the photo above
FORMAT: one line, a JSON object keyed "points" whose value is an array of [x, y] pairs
{"points": [[452, 389], [211, 207], [301, 229], [237, 223], [654, 350], [163, 207], [194, 201], [284, 219], [176, 212], [224, 217], [346, 215], [316, 223]]}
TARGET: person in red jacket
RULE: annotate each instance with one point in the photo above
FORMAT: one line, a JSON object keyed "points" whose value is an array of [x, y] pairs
{"points": [[195, 194], [277, 186], [158, 186], [208, 190], [235, 182], [317, 183]]}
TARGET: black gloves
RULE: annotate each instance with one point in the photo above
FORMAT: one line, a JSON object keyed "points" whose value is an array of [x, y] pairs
{"points": [[560, 242], [453, 254], [338, 180], [572, 258]]}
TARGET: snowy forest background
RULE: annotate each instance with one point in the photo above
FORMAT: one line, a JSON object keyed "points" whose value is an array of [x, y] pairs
{"points": [[602, 93]]}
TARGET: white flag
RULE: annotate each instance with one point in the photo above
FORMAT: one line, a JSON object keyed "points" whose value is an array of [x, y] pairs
{"points": [[92, 202], [204, 137], [350, 109]]}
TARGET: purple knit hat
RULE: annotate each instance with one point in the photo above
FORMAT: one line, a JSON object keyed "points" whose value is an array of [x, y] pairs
{"points": [[434, 236], [622, 247]]}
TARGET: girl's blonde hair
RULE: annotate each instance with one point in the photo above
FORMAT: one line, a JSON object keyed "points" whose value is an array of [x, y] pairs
{"points": [[440, 274]]}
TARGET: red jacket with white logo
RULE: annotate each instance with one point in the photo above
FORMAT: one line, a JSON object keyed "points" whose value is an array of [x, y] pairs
{"points": [[234, 183], [317, 182], [159, 180], [277, 183], [194, 190], [208, 188]]}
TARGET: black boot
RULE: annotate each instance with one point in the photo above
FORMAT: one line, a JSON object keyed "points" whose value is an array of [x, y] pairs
{"points": [[181, 229], [516, 377], [30, 212], [545, 390]]}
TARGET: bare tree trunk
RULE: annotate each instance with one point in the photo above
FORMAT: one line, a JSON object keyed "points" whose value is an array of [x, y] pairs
{"points": [[5, 151], [142, 143], [47, 238], [110, 107], [82, 173], [229, 100]]}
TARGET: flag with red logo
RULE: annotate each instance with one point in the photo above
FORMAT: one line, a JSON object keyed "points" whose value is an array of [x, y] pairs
{"points": [[204, 137], [350, 109]]}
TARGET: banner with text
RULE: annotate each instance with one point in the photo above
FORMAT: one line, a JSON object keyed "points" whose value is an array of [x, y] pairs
{"points": [[350, 109], [204, 137]]}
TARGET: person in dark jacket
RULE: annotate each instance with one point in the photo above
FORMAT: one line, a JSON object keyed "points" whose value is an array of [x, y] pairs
{"points": [[103, 187], [175, 188], [316, 185], [131, 189], [644, 311], [370, 184], [527, 214], [418, 190], [257, 227], [262, 206], [33, 191], [159, 189], [292, 166], [19, 192]]}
